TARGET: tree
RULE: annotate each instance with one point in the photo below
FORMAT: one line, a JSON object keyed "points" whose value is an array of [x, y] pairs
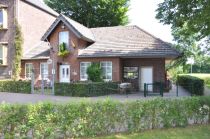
{"points": [[94, 72], [93, 13], [193, 14], [18, 51]]}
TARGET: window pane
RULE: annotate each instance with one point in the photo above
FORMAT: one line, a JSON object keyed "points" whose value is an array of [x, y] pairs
{"points": [[106, 70], [1, 17], [83, 70], [130, 72], [29, 68], [1, 51], [44, 70], [64, 37]]}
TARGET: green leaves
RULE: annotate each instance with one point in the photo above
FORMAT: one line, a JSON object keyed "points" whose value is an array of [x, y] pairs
{"points": [[94, 72], [18, 51], [90, 119], [93, 13]]}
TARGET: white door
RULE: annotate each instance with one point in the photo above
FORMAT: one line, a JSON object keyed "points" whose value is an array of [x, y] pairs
{"points": [[146, 76], [64, 73]]}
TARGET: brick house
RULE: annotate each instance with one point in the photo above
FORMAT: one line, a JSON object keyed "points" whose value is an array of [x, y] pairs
{"points": [[126, 53], [34, 18]]}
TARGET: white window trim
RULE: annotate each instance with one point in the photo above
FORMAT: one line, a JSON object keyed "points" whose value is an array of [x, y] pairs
{"points": [[25, 70], [82, 79], [2, 10], [41, 70], [68, 38], [107, 80], [2, 58], [4, 18]]}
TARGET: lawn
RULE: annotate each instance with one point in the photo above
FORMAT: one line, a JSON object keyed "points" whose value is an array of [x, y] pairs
{"points": [[192, 132]]}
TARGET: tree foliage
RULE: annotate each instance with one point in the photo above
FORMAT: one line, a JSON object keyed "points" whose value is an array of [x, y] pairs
{"points": [[93, 13], [190, 23], [18, 51], [191, 13]]}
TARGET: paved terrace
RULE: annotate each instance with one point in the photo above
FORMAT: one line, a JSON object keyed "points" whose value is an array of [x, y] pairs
{"points": [[35, 98]]}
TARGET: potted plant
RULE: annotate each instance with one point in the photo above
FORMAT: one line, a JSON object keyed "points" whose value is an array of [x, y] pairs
{"points": [[63, 51]]}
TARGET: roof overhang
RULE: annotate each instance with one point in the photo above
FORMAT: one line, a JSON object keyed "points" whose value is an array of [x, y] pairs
{"points": [[59, 19]]}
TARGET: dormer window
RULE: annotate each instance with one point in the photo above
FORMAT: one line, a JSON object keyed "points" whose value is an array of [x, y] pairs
{"points": [[64, 38], [3, 18]]}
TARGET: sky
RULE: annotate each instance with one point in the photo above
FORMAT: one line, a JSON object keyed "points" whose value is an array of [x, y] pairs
{"points": [[142, 13]]}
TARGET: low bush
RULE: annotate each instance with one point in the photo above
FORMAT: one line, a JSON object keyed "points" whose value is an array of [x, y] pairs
{"points": [[15, 86], [89, 119], [86, 89], [193, 84]]}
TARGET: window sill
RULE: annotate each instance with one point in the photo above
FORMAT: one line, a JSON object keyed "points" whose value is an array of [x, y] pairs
{"points": [[3, 29], [3, 65]]}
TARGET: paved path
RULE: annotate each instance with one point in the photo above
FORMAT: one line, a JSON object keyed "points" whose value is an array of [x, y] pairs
{"points": [[34, 98]]}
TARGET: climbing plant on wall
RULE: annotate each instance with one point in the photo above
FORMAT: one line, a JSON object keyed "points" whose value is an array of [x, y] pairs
{"points": [[18, 44]]}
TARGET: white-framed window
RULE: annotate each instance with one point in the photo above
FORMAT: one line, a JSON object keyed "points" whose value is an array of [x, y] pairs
{"points": [[3, 18], [106, 67], [64, 37], [44, 70], [3, 55], [28, 70], [83, 70]]}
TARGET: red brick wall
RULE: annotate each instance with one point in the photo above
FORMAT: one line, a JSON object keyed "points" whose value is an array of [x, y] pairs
{"points": [[8, 36], [36, 65], [73, 60], [158, 65], [34, 23]]}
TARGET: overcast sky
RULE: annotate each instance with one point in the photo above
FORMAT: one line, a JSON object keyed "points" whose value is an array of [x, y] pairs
{"points": [[142, 13]]}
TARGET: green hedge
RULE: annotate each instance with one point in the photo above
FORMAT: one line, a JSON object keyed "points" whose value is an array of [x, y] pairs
{"points": [[193, 84], [88, 119], [15, 86], [86, 89]]}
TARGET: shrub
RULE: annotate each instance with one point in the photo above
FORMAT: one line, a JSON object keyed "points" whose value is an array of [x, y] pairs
{"points": [[94, 72], [86, 89], [89, 119], [193, 84], [15, 86]]}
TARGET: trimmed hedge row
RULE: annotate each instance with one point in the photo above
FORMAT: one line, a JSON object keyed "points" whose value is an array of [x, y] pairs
{"points": [[89, 119], [193, 84], [15, 86], [86, 89]]}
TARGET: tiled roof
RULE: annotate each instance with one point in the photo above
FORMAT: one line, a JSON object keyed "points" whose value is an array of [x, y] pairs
{"points": [[127, 41], [79, 30], [40, 4], [39, 51]]}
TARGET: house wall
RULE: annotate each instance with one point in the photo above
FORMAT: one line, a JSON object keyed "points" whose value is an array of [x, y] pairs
{"points": [[34, 23], [158, 64], [7, 38], [73, 59], [36, 66]]}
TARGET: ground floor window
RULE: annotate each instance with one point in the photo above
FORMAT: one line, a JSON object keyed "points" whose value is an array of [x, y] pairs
{"points": [[130, 73], [28, 70], [3, 55], [106, 67], [44, 70], [83, 70]]}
